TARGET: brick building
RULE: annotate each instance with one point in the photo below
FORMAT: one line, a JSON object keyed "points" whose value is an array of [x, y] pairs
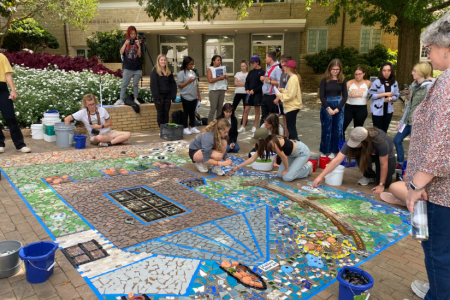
{"points": [[277, 24]]}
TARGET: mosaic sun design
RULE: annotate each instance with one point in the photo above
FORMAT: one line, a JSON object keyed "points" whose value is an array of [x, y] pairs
{"points": [[165, 232]]}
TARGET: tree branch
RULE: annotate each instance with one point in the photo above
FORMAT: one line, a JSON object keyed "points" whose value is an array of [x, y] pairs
{"points": [[438, 7]]}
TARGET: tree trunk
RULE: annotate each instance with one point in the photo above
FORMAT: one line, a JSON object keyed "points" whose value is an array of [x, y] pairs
{"points": [[408, 51]]}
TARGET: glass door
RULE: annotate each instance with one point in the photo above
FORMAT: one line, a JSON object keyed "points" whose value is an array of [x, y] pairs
{"points": [[175, 54], [262, 43]]}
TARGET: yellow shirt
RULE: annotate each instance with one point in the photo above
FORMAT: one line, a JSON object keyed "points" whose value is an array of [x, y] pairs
{"points": [[5, 67], [292, 96]]}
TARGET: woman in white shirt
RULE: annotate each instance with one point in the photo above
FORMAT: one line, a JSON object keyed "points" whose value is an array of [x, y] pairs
{"points": [[218, 84], [356, 106], [239, 82]]}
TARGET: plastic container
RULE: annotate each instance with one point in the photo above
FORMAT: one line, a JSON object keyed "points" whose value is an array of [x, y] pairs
{"points": [[347, 290], [37, 131], [335, 177], [49, 129], [39, 259], [323, 161], [9, 258], [314, 162], [64, 134], [51, 114], [419, 221], [80, 141], [264, 166], [171, 132]]}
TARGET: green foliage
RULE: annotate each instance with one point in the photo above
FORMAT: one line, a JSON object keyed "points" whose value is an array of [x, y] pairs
{"points": [[106, 45], [350, 58], [29, 34]]}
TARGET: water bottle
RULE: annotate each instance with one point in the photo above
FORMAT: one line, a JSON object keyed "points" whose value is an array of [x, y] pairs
{"points": [[419, 221]]}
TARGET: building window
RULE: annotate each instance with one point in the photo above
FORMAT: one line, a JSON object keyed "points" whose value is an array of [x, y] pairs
{"points": [[423, 53], [369, 38], [83, 52], [261, 43], [222, 45], [317, 40], [268, 1], [181, 39]]}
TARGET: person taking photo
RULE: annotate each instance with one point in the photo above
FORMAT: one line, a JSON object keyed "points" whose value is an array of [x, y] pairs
{"points": [[130, 51]]}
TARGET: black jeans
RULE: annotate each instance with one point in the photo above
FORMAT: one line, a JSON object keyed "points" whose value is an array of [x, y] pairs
{"points": [[237, 99], [162, 110], [291, 122], [266, 106], [357, 113], [383, 122], [370, 173], [189, 107], [9, 115]]}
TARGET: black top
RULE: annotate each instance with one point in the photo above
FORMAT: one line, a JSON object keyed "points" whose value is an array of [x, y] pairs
{"points": [[130, 58], [387, 87], [288, 146], [162, 86], [233, 133], [253, 81], [333, 89]]}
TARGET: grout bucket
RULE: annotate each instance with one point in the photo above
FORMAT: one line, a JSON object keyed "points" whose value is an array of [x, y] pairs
{"points": [[335, 177], [37, 131]]}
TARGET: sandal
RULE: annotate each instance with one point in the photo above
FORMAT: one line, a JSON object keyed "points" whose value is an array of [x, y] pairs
{"points": [[389, 198]]}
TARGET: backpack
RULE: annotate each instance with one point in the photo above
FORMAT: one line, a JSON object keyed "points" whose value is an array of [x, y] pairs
{"points": [[130, 101], [177, 117]]}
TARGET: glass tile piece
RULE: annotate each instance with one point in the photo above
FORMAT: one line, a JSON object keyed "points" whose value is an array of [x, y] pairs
{"points": [[171, 210], [151, 215], [141, 192], [74, 251], [136, 205], [90, 246], [122, 196], [156, 201], [81, 259], [96, 254]]}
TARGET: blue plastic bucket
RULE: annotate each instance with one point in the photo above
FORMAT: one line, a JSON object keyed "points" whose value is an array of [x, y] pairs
{"points": [[39, 259], [347, 290], [80, 141]]}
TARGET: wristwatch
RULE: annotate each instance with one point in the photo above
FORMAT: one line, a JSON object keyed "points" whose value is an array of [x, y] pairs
{"points": [[381, 183], [415, 188], [103, 126]]}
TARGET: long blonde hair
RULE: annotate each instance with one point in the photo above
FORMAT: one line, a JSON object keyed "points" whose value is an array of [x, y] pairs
{"points": [[86, 98], [217, 126], [298, 75], [335, 63], [158, 67]]}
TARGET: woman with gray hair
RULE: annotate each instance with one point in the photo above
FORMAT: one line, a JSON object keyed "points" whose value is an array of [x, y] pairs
{"points": [[428, 172]]}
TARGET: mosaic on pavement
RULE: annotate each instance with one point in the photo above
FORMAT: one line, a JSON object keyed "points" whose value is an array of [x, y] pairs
{"points": [[131, 219]]}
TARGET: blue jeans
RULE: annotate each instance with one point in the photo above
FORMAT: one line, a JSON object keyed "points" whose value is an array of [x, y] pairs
{"points": [[235, 149], [332, 127], [436, 250], [297, 163], [398, 142]]}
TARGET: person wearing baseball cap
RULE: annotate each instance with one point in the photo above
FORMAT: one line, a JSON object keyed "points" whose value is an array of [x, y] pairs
{"points": [[253, 89], [367, 145], [291, 97], [294, 154]]}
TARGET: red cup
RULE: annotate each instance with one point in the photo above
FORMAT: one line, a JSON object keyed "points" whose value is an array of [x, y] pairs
{"points": [[323, 161], [314, 162]]}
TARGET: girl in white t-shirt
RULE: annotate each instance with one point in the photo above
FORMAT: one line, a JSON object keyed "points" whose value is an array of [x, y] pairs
{"points": [[239, 82], [218, 84]]}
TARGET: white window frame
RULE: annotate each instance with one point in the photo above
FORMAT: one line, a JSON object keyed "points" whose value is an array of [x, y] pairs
{"points": [[218, 44], [268, 42], [86, 50], [317, 40], [258, 2], [423, 58], [370, 39]]}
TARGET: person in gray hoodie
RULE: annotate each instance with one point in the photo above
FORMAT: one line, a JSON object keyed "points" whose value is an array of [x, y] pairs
{"points": [[415, 93]]}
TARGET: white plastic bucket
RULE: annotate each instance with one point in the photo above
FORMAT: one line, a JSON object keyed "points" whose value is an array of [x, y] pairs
{"points": [[335, 177], [49, 129], [51, 114], [264, 166], [37, 131]]}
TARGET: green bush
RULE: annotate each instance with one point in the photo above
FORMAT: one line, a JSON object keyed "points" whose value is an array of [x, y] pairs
{"points": [[350, 58], [29, 34], [106, 45]]}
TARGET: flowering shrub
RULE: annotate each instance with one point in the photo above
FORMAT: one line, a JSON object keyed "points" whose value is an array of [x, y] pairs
{"points": [[66, 63], [52, 89]]}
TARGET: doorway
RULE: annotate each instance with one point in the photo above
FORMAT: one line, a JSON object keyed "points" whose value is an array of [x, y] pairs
{"points": [[175, 47]]}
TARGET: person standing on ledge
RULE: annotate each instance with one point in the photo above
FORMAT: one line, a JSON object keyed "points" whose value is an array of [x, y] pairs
{"points": [[7, 107], [130, 50]]}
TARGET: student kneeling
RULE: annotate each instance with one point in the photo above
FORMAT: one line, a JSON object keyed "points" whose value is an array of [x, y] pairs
{"points": [[294, 155], [210, 146], [367, 146], [98, 123]]}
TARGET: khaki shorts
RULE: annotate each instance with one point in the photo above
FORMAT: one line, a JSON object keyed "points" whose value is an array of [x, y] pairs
{"points": [[111, 133]]}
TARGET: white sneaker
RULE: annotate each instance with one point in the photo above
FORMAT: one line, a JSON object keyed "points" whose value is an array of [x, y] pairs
{"points": [[311, 167], [218, 170], [2, 149], [331, 156], [420, 288], [119, 102], [187, 131], [201, 167], [323, 155], [366, 181], [24, 150], [242, 129], [194, 130], [137, 102], [253, 129]]}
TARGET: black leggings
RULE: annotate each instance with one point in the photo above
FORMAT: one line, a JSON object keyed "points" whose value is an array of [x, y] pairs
{"points": [[383, 122], [162, 110], [357, 113], [237, 99], [189, 107], [9, 115], [291, 122]]}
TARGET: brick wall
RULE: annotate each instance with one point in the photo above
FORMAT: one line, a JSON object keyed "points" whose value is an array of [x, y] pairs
{"points": [[125, 119]]}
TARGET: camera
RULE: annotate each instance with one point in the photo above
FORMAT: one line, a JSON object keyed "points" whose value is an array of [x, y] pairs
{"points": [[95, 132], [141, 36], [131, 42]]}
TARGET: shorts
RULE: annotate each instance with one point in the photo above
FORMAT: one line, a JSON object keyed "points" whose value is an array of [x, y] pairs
{"points": [[192, 153], [111, 133], [271, 107], [254, 100]]}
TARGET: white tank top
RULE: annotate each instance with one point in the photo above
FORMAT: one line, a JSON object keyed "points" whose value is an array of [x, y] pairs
{"points": [[357, 96], [221, 84]]}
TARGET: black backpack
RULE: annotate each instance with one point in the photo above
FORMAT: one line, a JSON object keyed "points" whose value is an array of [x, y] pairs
{"points": [[130, 101], [177, 117]]}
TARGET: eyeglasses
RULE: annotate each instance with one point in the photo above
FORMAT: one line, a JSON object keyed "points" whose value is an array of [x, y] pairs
{"points": [[91, 105], [336, 70], [428, 49]]}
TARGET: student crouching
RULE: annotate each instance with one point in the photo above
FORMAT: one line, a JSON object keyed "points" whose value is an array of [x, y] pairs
{"points": [[228, 114]]}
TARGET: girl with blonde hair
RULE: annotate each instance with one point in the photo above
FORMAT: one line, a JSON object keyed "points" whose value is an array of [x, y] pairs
{"points": [[164, 89], [210, 146]]}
